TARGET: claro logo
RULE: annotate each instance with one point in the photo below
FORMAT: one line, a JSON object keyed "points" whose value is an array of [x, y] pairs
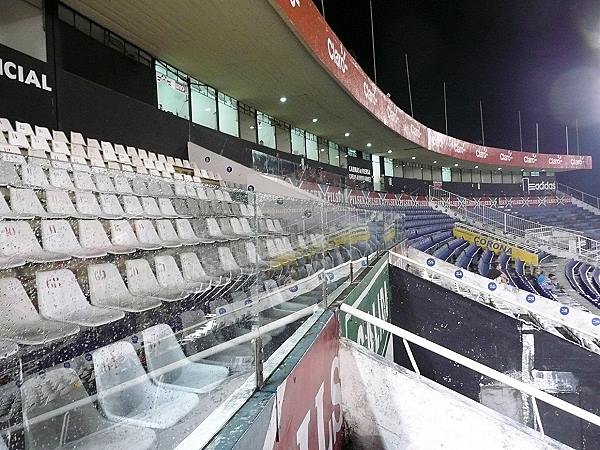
{"points": [[337, 55], [13, 71], [555, 161], [530, 159], [369, 91], [481, 153], [508, 156], [576, 162]]}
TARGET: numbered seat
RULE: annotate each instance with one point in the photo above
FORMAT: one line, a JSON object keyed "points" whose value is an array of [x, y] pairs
{"points": [[169, 367], [151, 208], [9, 175], [21, 323], [186, 232], [111, 207], [83, 181], [200, 228], [7, 213], [227, 229], [122, 235], [237, 228], [168, 235], [60, 179], [169, 277], [193, 272], [59, 204], [87, 205], [93, 236], [166, 208], [26, 204], [58, 413], [214, 231], [18, 242], [146, 234], [34, 176], [108, 290], [58, 236], [139, 186], [127, 395], [142, 282], [132, 206], [122, 185], [104, 183], [60, 298]]}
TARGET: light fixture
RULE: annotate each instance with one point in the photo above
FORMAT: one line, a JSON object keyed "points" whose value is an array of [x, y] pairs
{"points": [[337, 156], [414, 157], [368, 144], [283, 99], [522, 170], [499, 168], [207, 109], [252, 127], [477, 167], [435, 162], [315, 120], [322, 149], [456, 165], [346, 134], [389, 151]]}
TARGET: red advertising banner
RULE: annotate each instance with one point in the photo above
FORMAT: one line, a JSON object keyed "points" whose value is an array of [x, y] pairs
{"points": [[309, 25], [309, 410]]}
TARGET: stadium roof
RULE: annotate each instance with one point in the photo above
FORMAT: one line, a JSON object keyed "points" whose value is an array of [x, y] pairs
{"points": [[258, 52]]}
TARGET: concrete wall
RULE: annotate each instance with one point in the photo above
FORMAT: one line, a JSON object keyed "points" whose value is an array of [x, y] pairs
{"points": [[388, 407]]}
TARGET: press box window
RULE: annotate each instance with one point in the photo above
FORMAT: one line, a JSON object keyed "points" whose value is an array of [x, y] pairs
{"points": [[172, 90], [22, 27], [204, 105]]}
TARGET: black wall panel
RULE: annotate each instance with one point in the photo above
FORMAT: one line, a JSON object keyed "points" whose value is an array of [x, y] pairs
{"points": [[27, 103], [460, 324], [102, 113], [78, 53]]}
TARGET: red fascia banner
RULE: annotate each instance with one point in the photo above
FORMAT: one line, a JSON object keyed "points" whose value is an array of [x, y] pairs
{"points": [[311, 28]]}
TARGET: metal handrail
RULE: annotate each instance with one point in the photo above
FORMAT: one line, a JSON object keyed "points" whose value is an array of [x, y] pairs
{"points": [[560, 240], [577, 194], [473, 365]]}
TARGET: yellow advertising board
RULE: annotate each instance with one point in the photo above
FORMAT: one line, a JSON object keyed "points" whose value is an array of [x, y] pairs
{"points": [[496, 245]]}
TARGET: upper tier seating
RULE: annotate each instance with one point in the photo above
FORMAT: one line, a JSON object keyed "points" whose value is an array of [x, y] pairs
{"points": [[567, 216]]}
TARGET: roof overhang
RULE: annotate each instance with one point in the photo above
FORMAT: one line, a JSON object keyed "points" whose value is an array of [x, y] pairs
{"points": [[258, 52]]}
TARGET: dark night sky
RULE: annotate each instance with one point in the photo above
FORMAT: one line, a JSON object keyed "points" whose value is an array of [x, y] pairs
{"points": [[538, 56]]}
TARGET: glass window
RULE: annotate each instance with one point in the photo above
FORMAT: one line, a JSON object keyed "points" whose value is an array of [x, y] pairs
{"points": [[352, 152], [172, 90], [204, 105], [366, 156], [334, 154], [323, 150], [228, 115], [266, 130], [436, 173], [399, 170], [343, 158], [466, 176], [298, 142], [497, 177], [312, 149], [486, 176], [283, 137], [22, 27], [388, 167], [247, 123], [376, 172], [446, 174], [426, 171]]}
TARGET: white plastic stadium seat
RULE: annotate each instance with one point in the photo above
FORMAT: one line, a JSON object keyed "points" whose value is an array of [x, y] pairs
{"points": [[59, 204], [122, 185], [127, 395], [5, 125], [25, 203], [192, 270], [142, 282], [9, 175], [122, 235], [166, 207], [58, 236], [146, 234], [83, 181], [93, 236], [60, 298], [18, 139], [59, 178], [39, 143], [185, 232], [169, 277], [111, 207], [132, 206], [87, 205], [34, 176], [59, 136], [17, 240], [6, 212], [21, 323], [169, 367], [51, 396], [168, 235], [108, 290]]}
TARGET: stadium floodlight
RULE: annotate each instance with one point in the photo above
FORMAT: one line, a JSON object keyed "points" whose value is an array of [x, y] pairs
{"points": [[477, 167], [346, 134], [389, 151], [414, 157], [368, 144], [435, 162], [322, 149], [455, 164], [315, 120], [283, 99], [499, 168]]}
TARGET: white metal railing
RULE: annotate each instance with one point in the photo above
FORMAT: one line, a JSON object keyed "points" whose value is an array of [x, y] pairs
{"points": [[528, 389], [590, 199], [558, 240]]}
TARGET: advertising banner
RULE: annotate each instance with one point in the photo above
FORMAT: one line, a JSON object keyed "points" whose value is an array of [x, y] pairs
{"points": [[371, 295], [496, 245], [309, 24]]}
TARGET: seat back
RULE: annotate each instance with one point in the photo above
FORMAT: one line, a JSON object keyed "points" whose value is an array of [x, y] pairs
{"points": [[26, 202], [121, 233], [58, 237], [140, 278], [167, 272], [92, 234], [162, 351]]}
